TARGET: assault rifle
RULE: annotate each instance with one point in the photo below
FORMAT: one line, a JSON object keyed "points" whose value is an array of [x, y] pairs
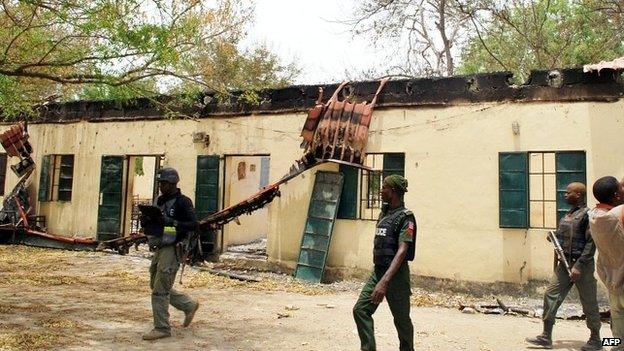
{"points": [[553, 239], [189, 245]]}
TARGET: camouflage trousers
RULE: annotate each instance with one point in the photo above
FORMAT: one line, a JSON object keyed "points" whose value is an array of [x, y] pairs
{"points": [[165, 264]]}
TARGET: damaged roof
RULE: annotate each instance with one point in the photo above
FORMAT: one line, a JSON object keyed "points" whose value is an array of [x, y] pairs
{"points": [[544, 85], [615, 65]]}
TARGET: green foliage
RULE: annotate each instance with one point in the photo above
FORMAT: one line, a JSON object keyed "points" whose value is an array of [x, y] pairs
{"points": [[58, 50], [145, 87], [522, 35], [11, 98], [138, 167]]}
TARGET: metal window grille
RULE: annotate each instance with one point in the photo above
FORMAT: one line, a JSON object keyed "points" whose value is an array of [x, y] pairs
{"points": [[542, 190], [61, 178], [370, 185]]}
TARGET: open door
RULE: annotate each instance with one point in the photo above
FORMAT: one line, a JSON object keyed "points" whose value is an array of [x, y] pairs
{"points": [[244, 176], [110, 199], [207, 200], [141, 189]]}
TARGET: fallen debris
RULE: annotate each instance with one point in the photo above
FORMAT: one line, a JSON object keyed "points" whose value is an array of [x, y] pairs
{"points": [[501, 308], [518, 310], [469, 310], [245, 278], [326, 305]]}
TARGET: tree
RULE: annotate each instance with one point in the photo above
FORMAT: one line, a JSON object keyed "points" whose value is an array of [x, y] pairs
{"points": [[521, 35], [69, 49], [431, 33]]}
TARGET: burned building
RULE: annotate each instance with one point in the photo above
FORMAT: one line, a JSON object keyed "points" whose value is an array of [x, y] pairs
{"points": [[487, 162]]}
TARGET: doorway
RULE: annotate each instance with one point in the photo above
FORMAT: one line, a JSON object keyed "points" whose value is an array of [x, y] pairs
{"points": [[244, 176], [141, 189], [125, 182]]}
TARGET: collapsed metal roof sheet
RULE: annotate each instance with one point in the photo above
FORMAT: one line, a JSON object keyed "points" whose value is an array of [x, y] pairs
{"points": [[617, 65]]}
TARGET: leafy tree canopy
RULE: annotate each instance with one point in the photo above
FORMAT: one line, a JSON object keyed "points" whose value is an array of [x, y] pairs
{"points": [[521, 35], [59, 50]]}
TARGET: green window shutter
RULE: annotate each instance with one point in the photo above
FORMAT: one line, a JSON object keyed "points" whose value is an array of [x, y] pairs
{"points": [[513, 190], [347, 208], [44, 179], [393, 163], [66, 178], [207, 185], [570, 166]]}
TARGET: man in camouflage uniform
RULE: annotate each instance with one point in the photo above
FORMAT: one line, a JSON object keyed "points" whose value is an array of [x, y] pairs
{"points": [[394, 246], [574, 237]]}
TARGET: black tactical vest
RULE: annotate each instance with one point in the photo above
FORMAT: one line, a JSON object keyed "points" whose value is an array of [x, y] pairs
{"points": [[571, 233], [169, 233], [387, 233], [167, 207]]}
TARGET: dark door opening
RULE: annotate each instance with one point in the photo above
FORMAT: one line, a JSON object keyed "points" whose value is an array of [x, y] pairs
{"points": [[125, 182]]}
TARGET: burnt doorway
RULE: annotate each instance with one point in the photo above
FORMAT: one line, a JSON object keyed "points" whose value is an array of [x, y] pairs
{"points": [[244, 176], [141, 188]]}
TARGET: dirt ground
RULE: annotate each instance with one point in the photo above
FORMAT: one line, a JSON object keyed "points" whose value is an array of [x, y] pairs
{"points": [[60, 300]]}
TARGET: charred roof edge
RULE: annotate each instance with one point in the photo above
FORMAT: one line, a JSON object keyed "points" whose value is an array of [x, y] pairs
{"points": [[543, 85]]}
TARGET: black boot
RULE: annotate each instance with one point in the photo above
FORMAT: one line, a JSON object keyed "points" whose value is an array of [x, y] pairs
{"points": [[545, 338], [594, 343]]}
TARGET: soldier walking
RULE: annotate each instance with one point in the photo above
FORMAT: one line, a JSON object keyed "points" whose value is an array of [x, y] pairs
{"points": [[574, 236], [394, 246]]}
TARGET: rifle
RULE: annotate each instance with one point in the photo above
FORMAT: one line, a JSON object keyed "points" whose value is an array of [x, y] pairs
{"points": [[553, 239], [187, 248]]}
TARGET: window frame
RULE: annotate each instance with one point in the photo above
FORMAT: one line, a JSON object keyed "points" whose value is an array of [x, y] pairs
{"points": [[364, 199], [544, 195], [559, 174], [60, 178]]}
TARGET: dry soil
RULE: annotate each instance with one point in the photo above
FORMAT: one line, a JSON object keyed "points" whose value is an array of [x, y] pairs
{"points": [[63, 300]]}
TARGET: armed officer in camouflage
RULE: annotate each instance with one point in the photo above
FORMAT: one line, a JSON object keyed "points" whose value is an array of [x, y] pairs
{"points": [[178, 219], [574, 237], [394, 246]]}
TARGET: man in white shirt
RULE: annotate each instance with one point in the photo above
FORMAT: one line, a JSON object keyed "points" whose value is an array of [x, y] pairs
{"points": [[607, 228]]}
